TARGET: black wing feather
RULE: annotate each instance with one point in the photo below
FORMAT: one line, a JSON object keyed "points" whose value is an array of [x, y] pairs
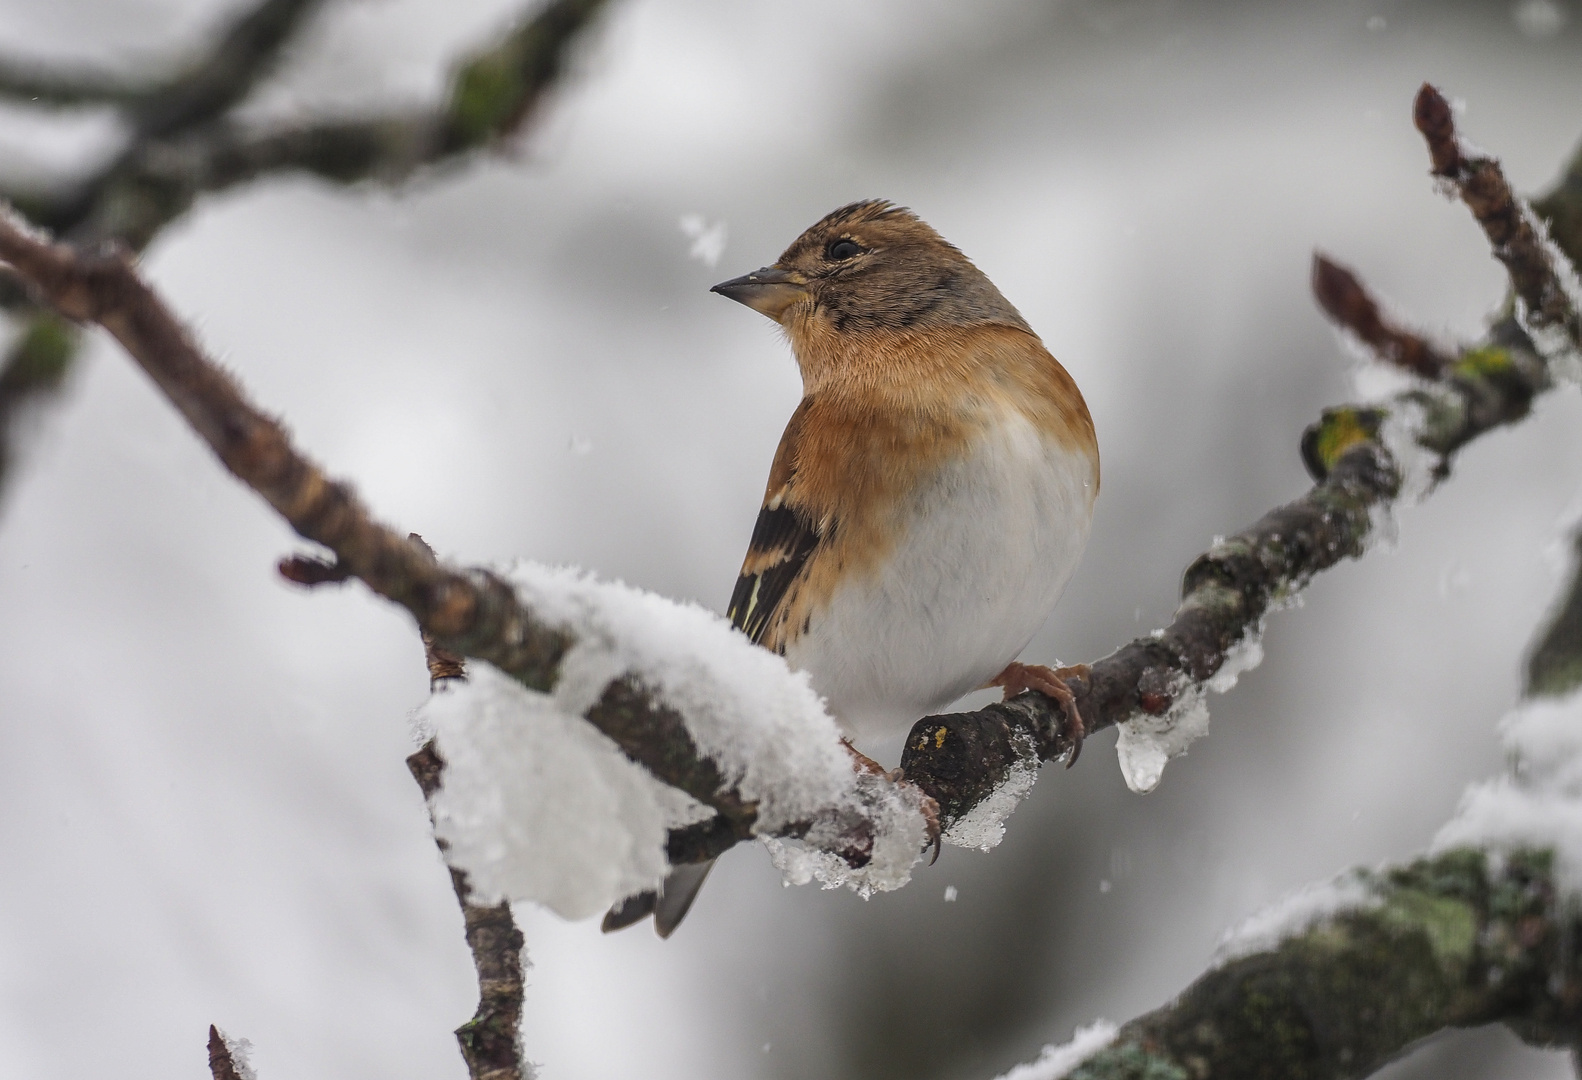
{"points": [[757, 597]]}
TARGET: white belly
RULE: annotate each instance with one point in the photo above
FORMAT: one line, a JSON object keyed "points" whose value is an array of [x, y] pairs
{"points": [[989, 546]]}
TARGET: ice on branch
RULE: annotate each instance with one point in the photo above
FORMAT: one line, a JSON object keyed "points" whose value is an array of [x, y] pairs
{"points": [[983, 827], [899, 838], [1538, 804], [1147, 743], [539, 805], [1056, 1062]]}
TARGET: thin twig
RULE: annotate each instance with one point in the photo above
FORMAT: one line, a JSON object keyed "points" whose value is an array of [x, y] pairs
{"points": [[1344, 298], [1511, 226], [490, 1042], [221, 1064]]}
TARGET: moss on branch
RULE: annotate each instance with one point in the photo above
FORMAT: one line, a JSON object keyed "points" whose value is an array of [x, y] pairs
{"points": [[1449, 941]]}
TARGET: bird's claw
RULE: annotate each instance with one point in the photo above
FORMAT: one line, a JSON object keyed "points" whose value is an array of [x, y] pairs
{"points": [[1052, 681]]}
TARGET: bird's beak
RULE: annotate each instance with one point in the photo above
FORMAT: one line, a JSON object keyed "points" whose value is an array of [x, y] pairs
{"points": [[769, 291]]}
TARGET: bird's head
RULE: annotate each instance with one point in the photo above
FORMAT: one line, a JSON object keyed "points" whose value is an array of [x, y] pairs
{"points": [[869, 268]]}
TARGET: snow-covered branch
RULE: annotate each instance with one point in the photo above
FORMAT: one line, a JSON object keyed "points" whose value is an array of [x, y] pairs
{"points": [[1548, 299], [1344, 977], [228, 1058]]}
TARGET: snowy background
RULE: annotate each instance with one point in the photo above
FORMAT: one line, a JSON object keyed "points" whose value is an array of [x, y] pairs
{"points": [[208, 818]]}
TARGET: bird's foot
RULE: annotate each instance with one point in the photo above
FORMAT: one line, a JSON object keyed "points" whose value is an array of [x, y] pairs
{"points": [[866, 764], [862, 762], [1052, 681]]}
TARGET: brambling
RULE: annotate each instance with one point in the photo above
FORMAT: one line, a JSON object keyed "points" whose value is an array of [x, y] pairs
{"points": [[930, 497]]}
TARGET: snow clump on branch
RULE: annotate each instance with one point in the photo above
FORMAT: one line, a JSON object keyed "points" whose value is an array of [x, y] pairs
{"points": [[539, 805], [1538, 804], [1057, 1062]]}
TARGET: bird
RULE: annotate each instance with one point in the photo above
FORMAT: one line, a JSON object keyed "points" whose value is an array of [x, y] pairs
{"points": [[929, 500]]}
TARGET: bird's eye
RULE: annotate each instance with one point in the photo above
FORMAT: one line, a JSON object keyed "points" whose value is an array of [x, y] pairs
{"points": [[843, 249]]}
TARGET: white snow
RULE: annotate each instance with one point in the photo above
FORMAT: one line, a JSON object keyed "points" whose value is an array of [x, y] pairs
{"points": [[1538, 804], [745, 709], [896, 810], [1539, 19], [1264, 930], [1056, 1062], [983, 827], [1240, 658], [1399, 433], [538, 805], [708, 240], [1563, 355]]}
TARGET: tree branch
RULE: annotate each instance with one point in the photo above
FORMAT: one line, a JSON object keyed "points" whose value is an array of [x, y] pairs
{"points": [[187, 147], [204, 89], [1508, 221], [1346, 301], [222, 1062], [1450, 941], [491, 1041]]}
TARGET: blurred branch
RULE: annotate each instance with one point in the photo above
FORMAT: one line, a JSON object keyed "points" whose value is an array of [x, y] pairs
{"points": [[207, 87], [1345, 300], [1554, 666], [34, 368], [1508, 221], [186, 149], [184, 142], [1450, 941]]}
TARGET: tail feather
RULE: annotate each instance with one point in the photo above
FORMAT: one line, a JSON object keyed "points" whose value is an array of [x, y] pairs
{"points": [[676, 895], [668, 906], [632, 909]]}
